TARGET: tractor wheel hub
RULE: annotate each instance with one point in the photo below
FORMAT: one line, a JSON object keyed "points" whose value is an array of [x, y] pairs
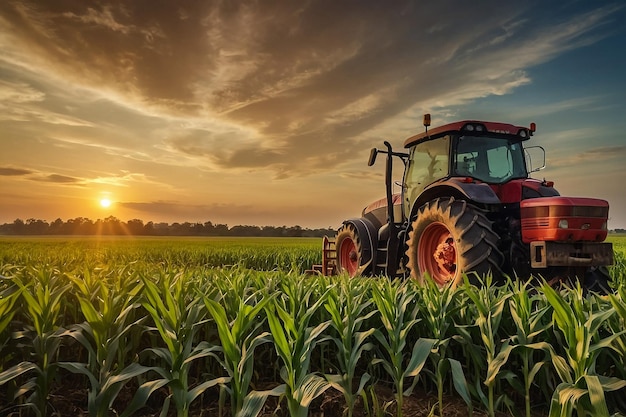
{"points": [[445, 255]]}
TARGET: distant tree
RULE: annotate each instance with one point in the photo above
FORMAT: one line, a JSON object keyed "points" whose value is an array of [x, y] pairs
{"points": [[135, 227], [18, 227], [113, 226], [36, 227], [148, 228]]}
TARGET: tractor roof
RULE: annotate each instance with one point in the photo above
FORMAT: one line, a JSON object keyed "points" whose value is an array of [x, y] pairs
{"points": [[473, 127]]}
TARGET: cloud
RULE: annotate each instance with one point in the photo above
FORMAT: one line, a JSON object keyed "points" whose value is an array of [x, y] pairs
{"points": [[19, 92], [10, 172], [21, 102], [190, 211], [599, 155], [59, 179]]}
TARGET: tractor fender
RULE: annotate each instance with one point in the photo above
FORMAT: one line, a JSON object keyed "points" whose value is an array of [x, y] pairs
{"points": [[368, 235], [477, 193]]}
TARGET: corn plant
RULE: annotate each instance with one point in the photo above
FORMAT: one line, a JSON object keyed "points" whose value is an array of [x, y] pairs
{"points": [[177, 314], [527, 312], [617, 325], [581, 388], [349, 309], [239, 325], [107, 310], [489, 304], [8, 298], [438, 307], [397, 311], [42, 292], [289, 317]]}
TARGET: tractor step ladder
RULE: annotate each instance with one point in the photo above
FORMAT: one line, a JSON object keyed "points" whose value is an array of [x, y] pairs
{"points": [[329, 258], [381, 256]]}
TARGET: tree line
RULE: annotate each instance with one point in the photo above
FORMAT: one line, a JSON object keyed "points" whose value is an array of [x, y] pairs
{"points": [[136, 227]]}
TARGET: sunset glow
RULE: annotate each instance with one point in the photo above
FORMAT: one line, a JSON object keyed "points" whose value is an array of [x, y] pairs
{"points": [[263, 113]]}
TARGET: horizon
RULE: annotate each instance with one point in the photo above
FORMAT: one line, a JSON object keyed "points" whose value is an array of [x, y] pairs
{"points": [[264, 114]]}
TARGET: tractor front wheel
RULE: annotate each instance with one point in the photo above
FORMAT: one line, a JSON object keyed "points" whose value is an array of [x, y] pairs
{"points": [[448, 238], [598, 279]]}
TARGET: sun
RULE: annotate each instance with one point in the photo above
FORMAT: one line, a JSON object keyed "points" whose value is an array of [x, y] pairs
{"points": [[105, 202]]}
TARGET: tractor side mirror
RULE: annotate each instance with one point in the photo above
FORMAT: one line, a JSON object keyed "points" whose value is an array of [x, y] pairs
{"points": [[372, 159], [537, 155]]}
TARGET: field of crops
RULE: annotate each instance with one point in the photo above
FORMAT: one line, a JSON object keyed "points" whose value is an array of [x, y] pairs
{"points": [[232, 327]]}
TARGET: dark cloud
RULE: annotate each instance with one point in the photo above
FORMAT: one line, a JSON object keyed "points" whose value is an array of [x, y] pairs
{"points": [[190, 211], [10, 172], [59, 179]]}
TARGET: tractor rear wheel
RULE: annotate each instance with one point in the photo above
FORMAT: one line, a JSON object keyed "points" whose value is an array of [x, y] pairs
{"points": [[349, 251], [448, 238]]}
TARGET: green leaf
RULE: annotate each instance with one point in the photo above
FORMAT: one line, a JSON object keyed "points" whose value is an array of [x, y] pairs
{"points": [[140, 399], [312, 387], [131, 371], [494, 366], [15, 371], [254, 401], [596, 396], [421, 351], [193, 393], [460, 383]]}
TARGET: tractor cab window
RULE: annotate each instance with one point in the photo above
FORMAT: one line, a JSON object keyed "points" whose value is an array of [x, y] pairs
{"points": [[428, 162], [492, 160]]}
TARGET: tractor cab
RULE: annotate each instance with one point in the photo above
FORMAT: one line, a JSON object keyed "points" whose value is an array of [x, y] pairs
{"points": [[470, 151]]}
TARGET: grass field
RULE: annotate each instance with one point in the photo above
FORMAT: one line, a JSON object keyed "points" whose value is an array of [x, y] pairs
{"points": [[231, 326]]}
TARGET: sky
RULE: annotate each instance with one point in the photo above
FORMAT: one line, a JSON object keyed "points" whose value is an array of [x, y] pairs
{"points": [[264, 112]]}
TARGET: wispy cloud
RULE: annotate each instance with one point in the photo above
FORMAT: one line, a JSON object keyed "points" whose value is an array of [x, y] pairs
{"points": [[59, 179], [600, 155], [14, 172]]}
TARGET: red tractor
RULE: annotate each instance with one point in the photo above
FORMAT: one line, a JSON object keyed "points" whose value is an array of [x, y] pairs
{"points": [[468, 205]]}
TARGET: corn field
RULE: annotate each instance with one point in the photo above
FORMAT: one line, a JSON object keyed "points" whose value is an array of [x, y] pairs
{"points": [[224, 327]]}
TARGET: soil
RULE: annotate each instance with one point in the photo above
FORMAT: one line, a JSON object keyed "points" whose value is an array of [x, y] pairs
{"points": [[72, 402]]}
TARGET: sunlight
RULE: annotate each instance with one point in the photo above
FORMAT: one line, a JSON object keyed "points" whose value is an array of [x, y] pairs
{"points": [[105, 202]]}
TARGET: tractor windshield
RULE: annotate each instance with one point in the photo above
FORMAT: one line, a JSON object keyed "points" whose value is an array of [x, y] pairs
{"points": [[494, 160]]}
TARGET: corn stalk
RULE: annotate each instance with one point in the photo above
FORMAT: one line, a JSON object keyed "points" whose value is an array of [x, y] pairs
{"points": [[42, 292], [107, 310], [397, 311], [581, 388], [176, 316], [349, 309], [295, 339], [239, 325], [438, 307], [489, 304]]}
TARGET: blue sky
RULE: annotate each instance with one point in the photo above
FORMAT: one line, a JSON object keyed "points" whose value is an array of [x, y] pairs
{"points": [[263, 112]]}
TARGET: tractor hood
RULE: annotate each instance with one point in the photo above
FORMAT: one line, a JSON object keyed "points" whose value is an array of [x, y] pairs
{"points": [[521, 189]]}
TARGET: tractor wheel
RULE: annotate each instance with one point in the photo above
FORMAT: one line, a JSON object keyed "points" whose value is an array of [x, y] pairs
{"points": [[349, 251], [597, 280], [449, 238]]}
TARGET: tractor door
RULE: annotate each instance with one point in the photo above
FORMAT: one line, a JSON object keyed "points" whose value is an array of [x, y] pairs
{"points": [[428, 162]]}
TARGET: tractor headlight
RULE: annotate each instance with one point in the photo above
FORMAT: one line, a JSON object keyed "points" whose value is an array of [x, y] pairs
{"points": [[563, 224], [604, 226]]}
